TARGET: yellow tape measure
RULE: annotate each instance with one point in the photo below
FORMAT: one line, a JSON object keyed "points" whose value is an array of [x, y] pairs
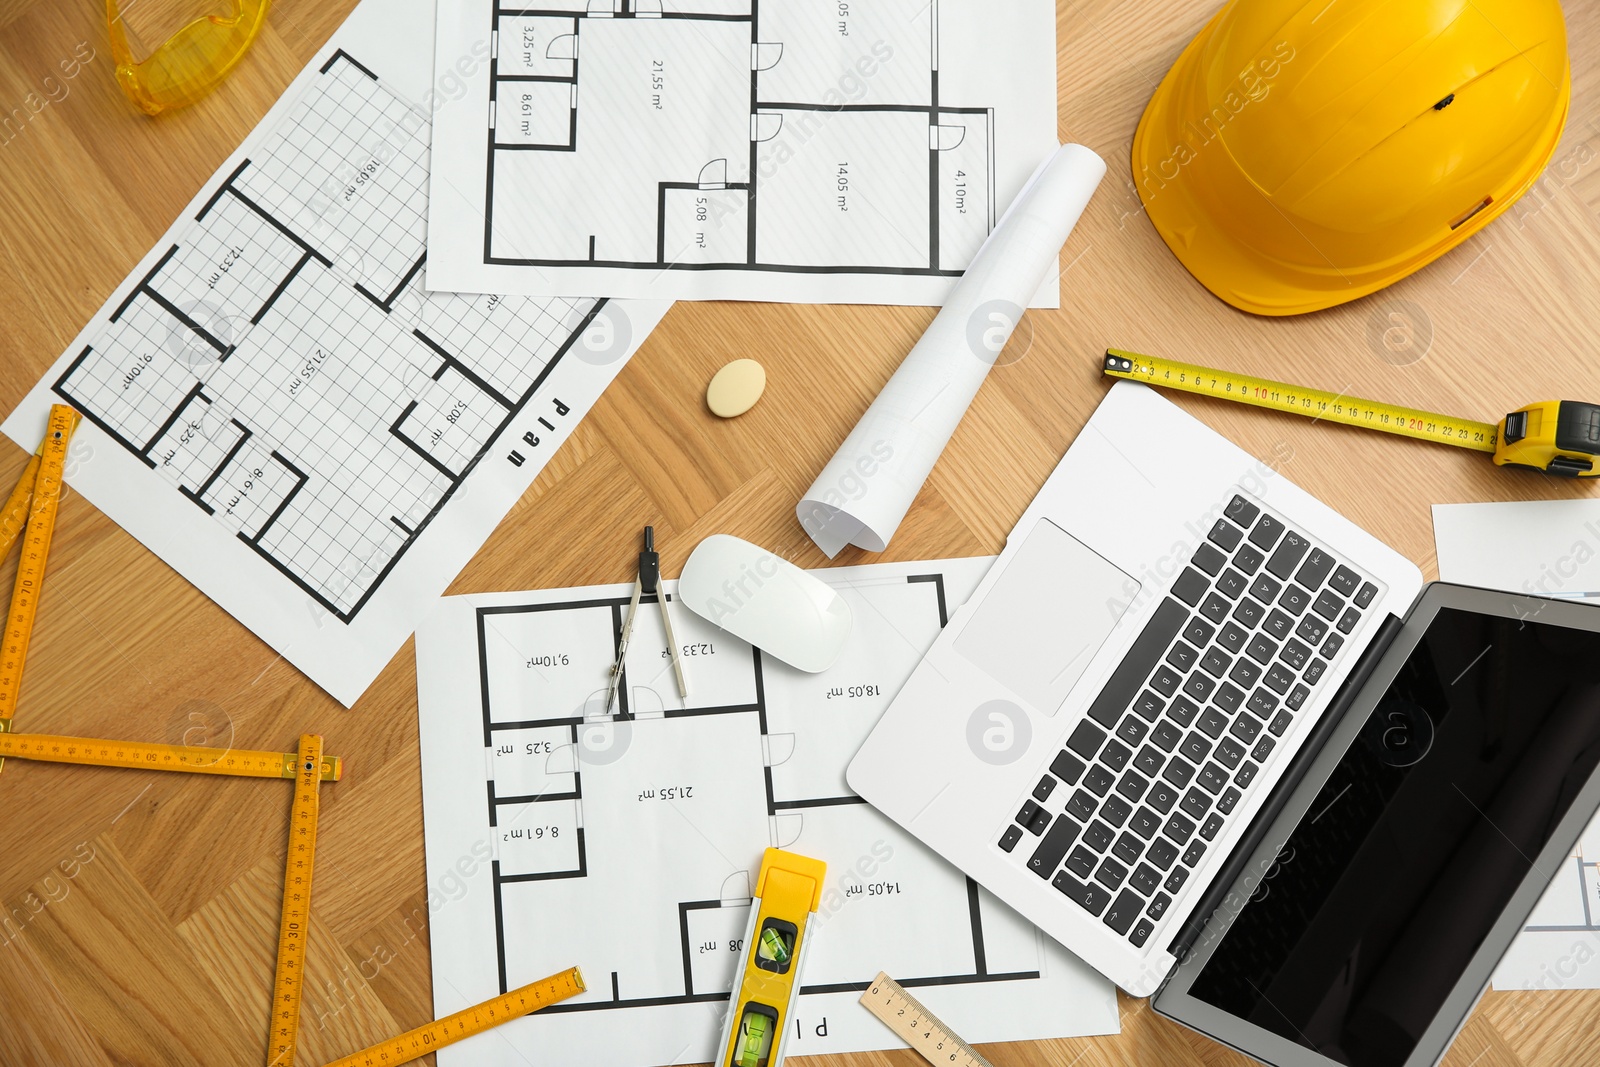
{"points": [[1560, 437], [917, 1026], [288, 982], [136, 755], [32, 511], [414, 1044]]}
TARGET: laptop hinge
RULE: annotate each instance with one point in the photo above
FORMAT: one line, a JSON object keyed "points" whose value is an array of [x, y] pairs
{"points": [[1296, 772]]}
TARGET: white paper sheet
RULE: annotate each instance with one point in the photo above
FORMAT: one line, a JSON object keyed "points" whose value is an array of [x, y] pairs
{"points": [[627, 844], [793, 150], [1542, 548], [869, 484], [274, 406]]}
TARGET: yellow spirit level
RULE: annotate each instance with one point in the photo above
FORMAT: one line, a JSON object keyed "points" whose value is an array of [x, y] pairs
{"points": [[788, 891], [1560, 437]]}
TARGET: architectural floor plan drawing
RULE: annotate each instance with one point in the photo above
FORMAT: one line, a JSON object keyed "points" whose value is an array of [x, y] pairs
{"points": [[290, 420], [627, 842], [766, 149]]}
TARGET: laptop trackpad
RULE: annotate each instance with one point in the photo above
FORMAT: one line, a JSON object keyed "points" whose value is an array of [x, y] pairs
{"points": [[1047, 616]]}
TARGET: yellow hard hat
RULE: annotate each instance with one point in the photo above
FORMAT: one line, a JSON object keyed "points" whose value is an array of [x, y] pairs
{"points": [[1302, 153]]}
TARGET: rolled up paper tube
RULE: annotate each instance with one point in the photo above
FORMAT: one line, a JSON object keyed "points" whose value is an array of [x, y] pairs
{"points": [[867, 488]]}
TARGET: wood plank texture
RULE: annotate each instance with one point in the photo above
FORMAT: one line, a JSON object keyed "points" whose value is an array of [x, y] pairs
{"points": [[139, 915]]}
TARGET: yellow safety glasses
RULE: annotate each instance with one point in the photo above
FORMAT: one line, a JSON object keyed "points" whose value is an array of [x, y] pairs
{"points": [[192, 61]]}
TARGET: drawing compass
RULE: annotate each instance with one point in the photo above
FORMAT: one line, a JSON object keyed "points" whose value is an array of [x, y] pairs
{"points": [[648, 582]]}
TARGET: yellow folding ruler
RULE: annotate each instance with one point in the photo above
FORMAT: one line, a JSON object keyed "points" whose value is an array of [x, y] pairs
{"points": [[31, 512], [1560, 437], [136, 755], [414, 1044], [288, 983], [917, 1026]]}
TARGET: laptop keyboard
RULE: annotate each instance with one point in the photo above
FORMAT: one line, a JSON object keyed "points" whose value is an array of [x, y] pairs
{"points": [[1178, 736]]}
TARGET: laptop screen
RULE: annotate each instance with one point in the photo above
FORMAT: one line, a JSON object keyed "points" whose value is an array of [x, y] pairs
{"points": [[1416, 843]]}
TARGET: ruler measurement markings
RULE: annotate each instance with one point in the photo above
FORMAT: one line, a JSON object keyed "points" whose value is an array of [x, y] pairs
{"points": [[917, 1026]]}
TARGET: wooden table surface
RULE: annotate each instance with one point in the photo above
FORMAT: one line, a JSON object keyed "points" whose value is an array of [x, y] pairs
{"points": [[141, 912]]}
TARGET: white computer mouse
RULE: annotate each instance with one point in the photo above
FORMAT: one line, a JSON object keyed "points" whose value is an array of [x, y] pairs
{"points": [[767, 601]]}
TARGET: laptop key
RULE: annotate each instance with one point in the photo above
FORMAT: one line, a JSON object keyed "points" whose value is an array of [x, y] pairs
{"points": [[1266, 532], [1229, 697], [1195, 804], [1190, 586], [1166, 735], [1315, 569], [1330, 647], [1158, 906], [1179, 828], [1314, 671], [1364, 597], [1279, 678], [1099, 836], [1132, 730], [1215, 662], [1288, 554], [1241, 511], [1249, 558], [1042, 791], [1348, 620], [1213, 722], [1128, 849], [1126, 681], [1263, 749], [1233, 637], [1176, 879], [1228, 800], [1215, 607], [1195, 747], [1165, 680], [1115, 755], [1245, 728], [1231, 584], [1246, 775], [1280, 723], [1345, 580], [1249, 613], [1161, 853], [1213, 778], [1141, 933], [1091, 898], [1244, 674], [1225, 534], [1161, 797], [1099, 781], [1182, 655], [1145, 879], [1212, 825], [1295, 654], [1029, 810], [1294, 600], [1110, 873], [1297, 696], [1132, 786], [1115, 811], [1145, 823], [1178, 773], [1149, 761], [1040, 820], [1209, 558], [1081, 806], [1086, 739], [1279, 623], [1262, 648], [1265, 588], [1199, 686], [1311, 629], [1082, 861], [1229, 752], [1192, 854], [1261, 703], [1053, 846], [1067, 767], [1009, 839], [1198, 632], [1183, 711], [1123, 911], [1328, 605]]}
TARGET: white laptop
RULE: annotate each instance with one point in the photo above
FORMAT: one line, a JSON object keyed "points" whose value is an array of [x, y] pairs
{"points": [[1095, 730]]}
